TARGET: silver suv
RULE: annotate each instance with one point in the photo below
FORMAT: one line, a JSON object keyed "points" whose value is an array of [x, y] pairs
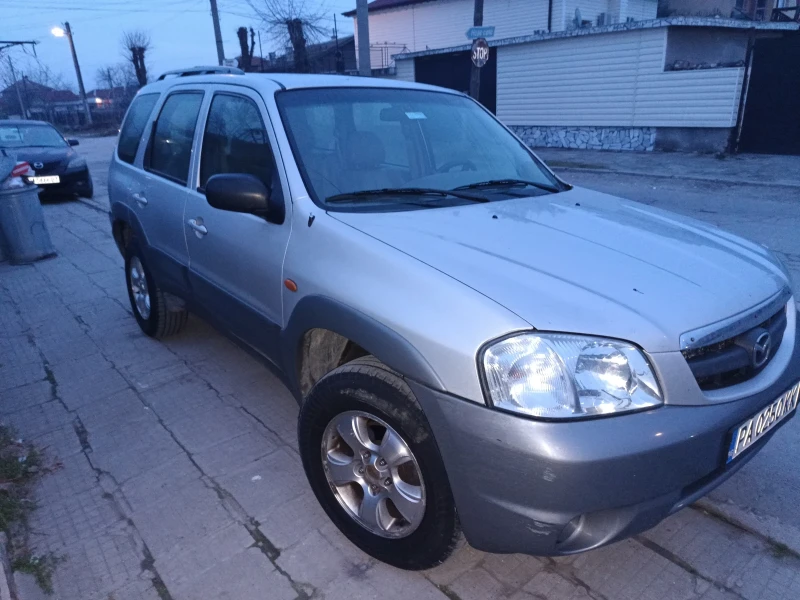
{"points": [[476, 346]]}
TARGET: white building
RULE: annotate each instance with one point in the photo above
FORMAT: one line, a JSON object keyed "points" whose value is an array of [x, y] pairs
{"points": [[616, 78], [418, 25]]}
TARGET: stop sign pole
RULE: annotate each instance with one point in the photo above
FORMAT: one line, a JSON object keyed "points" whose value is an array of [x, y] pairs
{"points": [[475, 75]]}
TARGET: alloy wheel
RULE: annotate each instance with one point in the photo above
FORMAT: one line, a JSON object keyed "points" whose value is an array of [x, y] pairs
{"points": [[373, 474], [139, 289]]}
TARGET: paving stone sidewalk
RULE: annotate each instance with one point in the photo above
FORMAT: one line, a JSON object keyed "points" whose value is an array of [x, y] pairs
{"points": [[181, 477], [739, 169]]}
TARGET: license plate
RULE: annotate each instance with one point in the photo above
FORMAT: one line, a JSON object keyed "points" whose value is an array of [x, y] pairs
{"points": [[44, 180], [752, 430]]}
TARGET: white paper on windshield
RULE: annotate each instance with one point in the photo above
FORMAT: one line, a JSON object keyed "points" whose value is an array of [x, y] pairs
{"points": [[416, 115], [10, 134]]}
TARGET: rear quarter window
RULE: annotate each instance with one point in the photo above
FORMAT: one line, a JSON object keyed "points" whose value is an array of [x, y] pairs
{"points": [[135, 121]]}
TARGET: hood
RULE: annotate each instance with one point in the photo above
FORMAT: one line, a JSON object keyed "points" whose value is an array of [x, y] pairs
{"points": [[586, 262]]}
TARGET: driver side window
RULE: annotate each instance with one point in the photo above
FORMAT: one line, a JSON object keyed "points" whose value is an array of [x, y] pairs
{"points": [[236, 141]]}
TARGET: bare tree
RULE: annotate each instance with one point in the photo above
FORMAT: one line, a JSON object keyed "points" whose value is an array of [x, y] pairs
{"points": [[292, 22], [120, 82], [108, 77], [135, 46], [35, 83], [118, 75], [246, 52], [40, 73]]}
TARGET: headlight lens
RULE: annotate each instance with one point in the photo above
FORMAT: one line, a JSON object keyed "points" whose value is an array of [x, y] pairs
{"points": [[76, 162], [559, 376]]}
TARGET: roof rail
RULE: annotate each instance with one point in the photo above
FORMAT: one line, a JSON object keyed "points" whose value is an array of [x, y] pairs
{"points": [[200, 70]]}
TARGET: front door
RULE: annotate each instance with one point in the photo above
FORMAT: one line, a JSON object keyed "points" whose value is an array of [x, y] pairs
{"points": [[236, 259]]}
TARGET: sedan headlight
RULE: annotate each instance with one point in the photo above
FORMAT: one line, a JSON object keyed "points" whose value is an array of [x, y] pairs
{"points": [[76, 162], [559, 376]]}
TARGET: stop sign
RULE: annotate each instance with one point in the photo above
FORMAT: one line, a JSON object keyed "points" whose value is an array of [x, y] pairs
{"points": [[480, 52]]}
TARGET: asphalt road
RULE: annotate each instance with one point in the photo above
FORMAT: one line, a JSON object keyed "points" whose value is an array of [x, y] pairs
{"points": [[763, 495]]}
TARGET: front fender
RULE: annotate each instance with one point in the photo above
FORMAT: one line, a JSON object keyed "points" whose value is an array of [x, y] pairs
{"points": [[321, 312]]}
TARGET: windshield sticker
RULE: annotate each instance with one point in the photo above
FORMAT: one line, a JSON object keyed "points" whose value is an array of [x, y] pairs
{"points": [[416, 115], [10, 134]]}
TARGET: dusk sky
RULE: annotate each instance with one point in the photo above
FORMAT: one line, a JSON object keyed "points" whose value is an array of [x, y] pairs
{"points": [[181, 31]]}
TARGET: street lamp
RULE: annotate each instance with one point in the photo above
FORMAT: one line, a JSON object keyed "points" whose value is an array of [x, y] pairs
{"points": [[65, 31]]}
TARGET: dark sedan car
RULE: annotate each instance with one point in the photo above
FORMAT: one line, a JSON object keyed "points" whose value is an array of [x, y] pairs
{"points": [[58, 168]]}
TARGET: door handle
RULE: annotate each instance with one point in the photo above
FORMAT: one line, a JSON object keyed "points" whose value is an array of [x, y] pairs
{"points": [[197, 224], [140, 199]]}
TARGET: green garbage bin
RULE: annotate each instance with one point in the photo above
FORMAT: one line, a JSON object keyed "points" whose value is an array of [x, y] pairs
{"points": [[23, 227]]}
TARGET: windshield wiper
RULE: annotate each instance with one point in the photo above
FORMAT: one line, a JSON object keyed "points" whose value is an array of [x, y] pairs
{"points": [[347, 196], [508, 182]]}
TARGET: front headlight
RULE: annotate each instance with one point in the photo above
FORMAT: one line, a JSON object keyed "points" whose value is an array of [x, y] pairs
{"points": [[559, 376], [76, 162]]}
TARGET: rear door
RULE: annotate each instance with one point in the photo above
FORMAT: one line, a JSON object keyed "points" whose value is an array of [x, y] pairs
{"points": [[160, 206], [236, 259], [126, 180]]}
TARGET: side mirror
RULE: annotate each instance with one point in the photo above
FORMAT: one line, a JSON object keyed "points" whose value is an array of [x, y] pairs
{"points": [[73, 142], [238, 192]]}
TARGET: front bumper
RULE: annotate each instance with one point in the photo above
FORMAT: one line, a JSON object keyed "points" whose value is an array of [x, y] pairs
{"points": [[73, 182], [551, 488]]}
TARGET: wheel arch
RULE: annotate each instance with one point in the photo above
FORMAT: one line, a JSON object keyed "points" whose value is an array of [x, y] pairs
{"points": [[125, 225], [324, 333]]}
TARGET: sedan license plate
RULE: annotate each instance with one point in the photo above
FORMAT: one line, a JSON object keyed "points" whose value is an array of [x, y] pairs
{"points": [[752, 430], [44, 180]]}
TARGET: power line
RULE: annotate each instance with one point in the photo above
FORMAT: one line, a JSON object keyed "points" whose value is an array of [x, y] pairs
{"points": [[102, 5], [110, 9]]}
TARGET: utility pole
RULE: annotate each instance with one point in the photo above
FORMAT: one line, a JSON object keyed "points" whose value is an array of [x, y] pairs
{"points": [[475, 74], [78, 73], [10, 44], [217, 32], [362, 16], [335, 32], [16, 87], [339, 62], [260, 54]]}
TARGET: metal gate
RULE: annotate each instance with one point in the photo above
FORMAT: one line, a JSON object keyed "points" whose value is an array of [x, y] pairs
{"points": [[452, 70], [771, 121]]}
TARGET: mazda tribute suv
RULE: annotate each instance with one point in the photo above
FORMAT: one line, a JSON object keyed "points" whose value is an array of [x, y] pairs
{"points": [[477, 347]]}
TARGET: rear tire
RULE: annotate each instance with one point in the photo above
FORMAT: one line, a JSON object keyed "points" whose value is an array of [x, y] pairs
{"points": [[367, 389], [148, 302]]}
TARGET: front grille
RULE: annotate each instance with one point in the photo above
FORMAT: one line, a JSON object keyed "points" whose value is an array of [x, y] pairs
{"points": [[730, 361], [49, 167]]}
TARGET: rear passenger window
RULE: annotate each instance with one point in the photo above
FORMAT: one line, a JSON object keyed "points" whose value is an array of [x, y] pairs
{"points": [[131, 133], [236, 141], [170, 151]]}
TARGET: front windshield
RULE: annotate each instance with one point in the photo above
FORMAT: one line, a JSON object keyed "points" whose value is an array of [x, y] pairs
{"points": [[349, 140], [23, 135]]}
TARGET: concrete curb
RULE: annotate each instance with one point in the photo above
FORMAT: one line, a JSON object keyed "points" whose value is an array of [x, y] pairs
{"points": [[768, 528], [561, 168], [8, 589]]}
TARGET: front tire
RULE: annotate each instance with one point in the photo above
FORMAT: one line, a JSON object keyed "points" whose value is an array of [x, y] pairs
{"points": [[148, 302], [88, 187], [89, 192], [372, 462]]}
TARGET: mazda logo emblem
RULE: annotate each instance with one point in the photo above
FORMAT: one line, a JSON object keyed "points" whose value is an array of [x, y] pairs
{"points": [[38, 165], [761, 349]]}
